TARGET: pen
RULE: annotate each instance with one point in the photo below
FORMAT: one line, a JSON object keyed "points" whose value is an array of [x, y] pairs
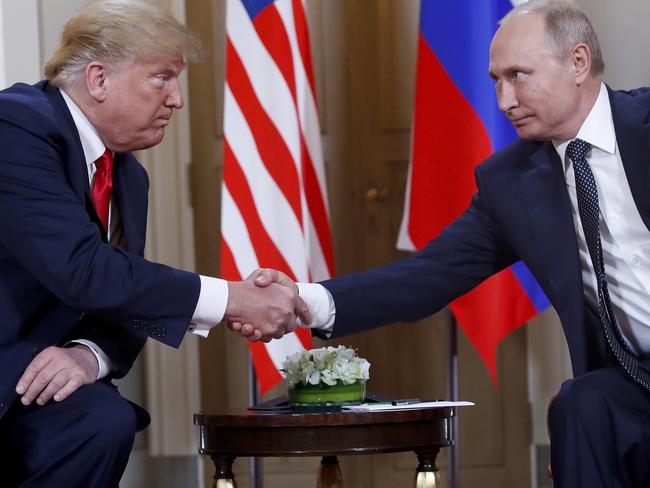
{"points": [[405, 401]]}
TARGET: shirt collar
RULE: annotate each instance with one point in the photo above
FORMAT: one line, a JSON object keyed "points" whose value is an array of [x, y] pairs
{"points": [[597, 129], [91, 143]]}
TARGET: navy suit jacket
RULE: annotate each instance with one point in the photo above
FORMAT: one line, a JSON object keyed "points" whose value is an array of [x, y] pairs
{"points": [[521, 211], [59, 278]]}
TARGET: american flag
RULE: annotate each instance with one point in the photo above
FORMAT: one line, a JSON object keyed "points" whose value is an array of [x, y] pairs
{"points": [[274, 210]]}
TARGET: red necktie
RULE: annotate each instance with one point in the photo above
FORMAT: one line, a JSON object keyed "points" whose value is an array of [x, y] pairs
{"points": [[103, 185]]}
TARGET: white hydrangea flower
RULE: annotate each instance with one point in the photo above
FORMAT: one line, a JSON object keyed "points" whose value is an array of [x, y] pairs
{"points": [[327, 365]]}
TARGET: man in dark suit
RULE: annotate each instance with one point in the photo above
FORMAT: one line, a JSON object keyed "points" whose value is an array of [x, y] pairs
{"points": [[570, 198], [77, 299]]}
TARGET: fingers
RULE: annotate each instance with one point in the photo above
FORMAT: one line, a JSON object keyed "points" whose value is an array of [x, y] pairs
{"points": [[235, 326], [60, 387], [68, 389], [265, 276], [302, 310], [56, 373], [35, 378], [247, 331]]}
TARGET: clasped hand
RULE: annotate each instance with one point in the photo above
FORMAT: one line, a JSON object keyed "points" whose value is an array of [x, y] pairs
{"points": [[265, 306]]}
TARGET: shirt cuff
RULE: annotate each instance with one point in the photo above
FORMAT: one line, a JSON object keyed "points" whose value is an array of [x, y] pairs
{"points": [[321, 304], [211, 306], [104, 362]]}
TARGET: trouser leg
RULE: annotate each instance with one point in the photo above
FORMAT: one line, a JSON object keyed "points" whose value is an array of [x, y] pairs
{"points": [[83, 441], [600, 432]]}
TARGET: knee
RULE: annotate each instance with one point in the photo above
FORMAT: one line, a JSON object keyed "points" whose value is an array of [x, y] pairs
{"points": [[582, 400], [110, 424]]}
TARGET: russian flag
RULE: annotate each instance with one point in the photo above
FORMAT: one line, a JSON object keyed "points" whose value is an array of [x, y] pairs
{"points": [[457, 125]]}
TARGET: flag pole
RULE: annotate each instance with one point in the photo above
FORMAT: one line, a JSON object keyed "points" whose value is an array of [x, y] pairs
{"points": [[453, 467], [255, 467]]}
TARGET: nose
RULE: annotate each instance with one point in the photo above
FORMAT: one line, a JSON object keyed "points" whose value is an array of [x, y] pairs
{"points": [[175, 95], [506, 97]]}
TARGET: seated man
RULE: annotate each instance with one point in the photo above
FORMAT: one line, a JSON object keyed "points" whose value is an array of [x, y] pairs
{"points": [[570, 199], [77, 299]]}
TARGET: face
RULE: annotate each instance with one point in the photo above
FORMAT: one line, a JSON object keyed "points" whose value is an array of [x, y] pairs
{"points": [[137, 102], [535, 89]]}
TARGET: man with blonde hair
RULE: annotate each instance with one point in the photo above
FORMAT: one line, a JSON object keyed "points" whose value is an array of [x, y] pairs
{"points": [[77, 299], [569, 198]]}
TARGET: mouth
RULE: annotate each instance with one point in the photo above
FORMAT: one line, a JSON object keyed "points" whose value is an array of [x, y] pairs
{"points": [[519, 121]]}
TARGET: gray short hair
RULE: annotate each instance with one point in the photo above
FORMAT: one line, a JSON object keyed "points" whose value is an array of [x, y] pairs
{"points": [[566, 26], [113, 31]]}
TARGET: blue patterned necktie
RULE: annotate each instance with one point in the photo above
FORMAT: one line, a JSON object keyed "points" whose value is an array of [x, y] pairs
{"points": [[588, 209]]}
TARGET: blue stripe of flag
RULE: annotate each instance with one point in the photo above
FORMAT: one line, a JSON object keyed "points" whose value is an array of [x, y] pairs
{"points": [[459, 35], [530, 285], [253, 7]]}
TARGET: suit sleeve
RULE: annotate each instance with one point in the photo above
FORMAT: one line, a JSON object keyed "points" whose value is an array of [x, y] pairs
{"points": [[45, 227], [466, 252]]}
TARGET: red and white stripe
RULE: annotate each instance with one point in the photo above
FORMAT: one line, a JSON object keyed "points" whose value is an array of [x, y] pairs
{"points": [[274, 200]]}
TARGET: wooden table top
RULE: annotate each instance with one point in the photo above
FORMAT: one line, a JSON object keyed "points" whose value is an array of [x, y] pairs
{"points": [[287, 433]]}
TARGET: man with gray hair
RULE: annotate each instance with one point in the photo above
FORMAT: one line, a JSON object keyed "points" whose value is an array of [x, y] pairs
{"points": [[570, 199], [77, 299]]}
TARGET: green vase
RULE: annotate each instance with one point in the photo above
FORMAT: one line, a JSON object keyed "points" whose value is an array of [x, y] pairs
{"points": [[321, 395]]}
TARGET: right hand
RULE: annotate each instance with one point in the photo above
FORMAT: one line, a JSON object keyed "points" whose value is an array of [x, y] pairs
{"points": [[265, 310]]}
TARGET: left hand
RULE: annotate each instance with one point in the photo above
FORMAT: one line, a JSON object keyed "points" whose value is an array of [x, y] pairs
{"points": [[57, 372]]}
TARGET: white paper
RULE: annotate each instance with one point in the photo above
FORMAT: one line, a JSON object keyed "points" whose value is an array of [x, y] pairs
{"points": [[381, 406]]}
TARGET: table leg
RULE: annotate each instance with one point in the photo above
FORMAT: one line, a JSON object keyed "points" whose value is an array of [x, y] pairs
{"points": [[329, 473], [427, 474], [223, 476]]}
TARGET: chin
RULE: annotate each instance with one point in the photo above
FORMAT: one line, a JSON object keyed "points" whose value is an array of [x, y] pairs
{"points": [[152, 141], [530, 135]]}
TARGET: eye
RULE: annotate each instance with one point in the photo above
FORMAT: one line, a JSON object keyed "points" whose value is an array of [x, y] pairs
{"points": [[518, 75]]}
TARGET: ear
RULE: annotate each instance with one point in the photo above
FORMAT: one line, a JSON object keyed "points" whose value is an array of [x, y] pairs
{"points": [[96, 78], [581, 63]]}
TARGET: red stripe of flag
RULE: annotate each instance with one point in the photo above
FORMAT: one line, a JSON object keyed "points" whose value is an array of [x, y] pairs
{"points": [[316, 206], [228, 266], [271, 146], [269, 27], [266, 251], [302, 36]]}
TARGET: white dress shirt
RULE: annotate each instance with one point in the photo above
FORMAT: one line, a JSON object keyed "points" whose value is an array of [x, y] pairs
{"points": [[625, 238], [213, 297]]}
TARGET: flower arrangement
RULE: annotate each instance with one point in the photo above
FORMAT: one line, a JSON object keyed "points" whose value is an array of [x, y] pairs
{"points": [[325, 366]]}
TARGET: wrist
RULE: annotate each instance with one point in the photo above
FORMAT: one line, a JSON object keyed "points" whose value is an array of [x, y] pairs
{"points": [[233, 306]]}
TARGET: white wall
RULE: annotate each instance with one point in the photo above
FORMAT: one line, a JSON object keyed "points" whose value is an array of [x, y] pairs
{"points": [[19, 42], [624, 32]]}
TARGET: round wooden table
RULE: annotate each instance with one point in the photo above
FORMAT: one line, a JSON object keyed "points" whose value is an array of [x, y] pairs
{"points": [[225, 436]]}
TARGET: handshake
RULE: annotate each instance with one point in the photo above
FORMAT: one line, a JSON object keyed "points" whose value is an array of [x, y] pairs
{"points": [[265, 306]]}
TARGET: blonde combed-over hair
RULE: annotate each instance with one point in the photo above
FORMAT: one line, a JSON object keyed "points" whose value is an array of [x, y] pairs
{"points": [[113, 31]]}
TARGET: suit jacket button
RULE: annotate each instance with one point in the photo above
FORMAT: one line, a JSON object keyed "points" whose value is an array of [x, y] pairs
{"points": [[2, 405]]}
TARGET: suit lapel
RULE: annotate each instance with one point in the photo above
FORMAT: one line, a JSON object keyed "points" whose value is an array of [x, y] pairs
{"points": [[76, 169], [633, 138], [75, 161], [548, 212], [130, 197]]}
